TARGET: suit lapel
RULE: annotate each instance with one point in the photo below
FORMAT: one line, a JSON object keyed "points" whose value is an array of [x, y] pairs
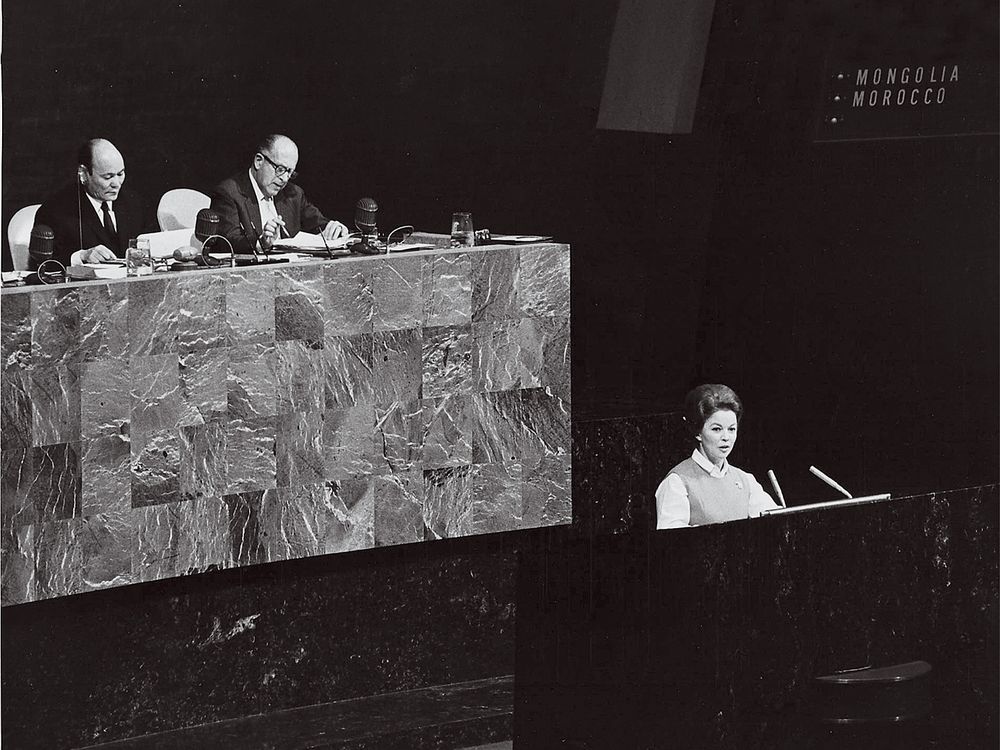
{"points": [[96, 226], [250, 207]]}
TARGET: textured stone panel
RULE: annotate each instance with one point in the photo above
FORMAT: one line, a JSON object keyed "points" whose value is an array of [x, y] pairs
{"points": [[349, 442], [399, 434], [249, 307], [447, 290], [55, 404], [203, 470], [397, 357], [155, 467], [448, 501], [103, 316], [494, 285], [499, 427], [300, 376], [105, 474], [204, 386], [54, 490], [15, 410], [546, 427], [181, 423], [18, 466], [106, 543], [105, 398], [15, 333], [508, 354], [349, 370], [152, 315], [399, 508], [156, 394], [547, 493], [55, 331], [543, 284], [299, 448], [397, 285], [497, 504], [250, 456], [448, 428], [58, 559], [201, 322], [246, 546], [299, 304], [252, 384], [349, 299], [446, 360], [17, 576], [317, 519]]}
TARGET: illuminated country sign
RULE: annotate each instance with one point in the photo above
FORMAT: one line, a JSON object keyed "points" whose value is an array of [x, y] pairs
{"points": [[907, 99]]}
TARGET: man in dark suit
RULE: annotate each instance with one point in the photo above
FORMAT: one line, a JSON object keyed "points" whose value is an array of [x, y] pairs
{"points": [[262, 205], [93, 219]]}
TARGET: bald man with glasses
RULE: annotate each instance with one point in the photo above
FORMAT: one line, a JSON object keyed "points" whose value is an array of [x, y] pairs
{"points": [[262, 205]]}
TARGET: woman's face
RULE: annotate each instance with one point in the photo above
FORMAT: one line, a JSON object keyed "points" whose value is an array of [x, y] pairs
{"points": [[718, 436]]}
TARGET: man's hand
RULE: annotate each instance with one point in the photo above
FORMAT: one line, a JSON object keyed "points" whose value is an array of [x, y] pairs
{"points": [[97, 254], [272, 231], [334, 229]]}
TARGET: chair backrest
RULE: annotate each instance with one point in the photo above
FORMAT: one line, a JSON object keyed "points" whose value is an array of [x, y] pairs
{"points": [[19, 235], [179, 208]]}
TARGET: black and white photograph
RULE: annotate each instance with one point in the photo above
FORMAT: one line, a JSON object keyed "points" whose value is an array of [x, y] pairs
{"points": [[565, 375]]}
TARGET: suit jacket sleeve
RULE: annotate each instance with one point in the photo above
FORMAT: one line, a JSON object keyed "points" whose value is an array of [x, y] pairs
{"points": [[227, 202], [312, 219]]}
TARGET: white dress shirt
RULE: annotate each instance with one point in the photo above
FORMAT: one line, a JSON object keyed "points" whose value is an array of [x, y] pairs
{"points": [[265, 204], [673, 509], [76, 258]]}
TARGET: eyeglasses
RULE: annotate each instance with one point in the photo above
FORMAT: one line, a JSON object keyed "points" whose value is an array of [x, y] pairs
{"points": [[280, 170]]}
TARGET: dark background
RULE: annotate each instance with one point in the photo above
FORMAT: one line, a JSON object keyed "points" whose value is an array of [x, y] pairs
{"points": [[848, 291]]}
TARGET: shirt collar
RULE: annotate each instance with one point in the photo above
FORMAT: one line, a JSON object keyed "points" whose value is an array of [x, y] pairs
{"points": [[702, 460], [97, 204], [256, 188]]}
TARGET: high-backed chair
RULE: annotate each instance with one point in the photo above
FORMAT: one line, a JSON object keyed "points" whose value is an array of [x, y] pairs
{"points": [[179, 208], [19, 235]]}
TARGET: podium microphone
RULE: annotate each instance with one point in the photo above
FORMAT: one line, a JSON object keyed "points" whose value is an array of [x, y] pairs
{"points": [[825, 478], [41, 246], [364, 219], [777, 487]]}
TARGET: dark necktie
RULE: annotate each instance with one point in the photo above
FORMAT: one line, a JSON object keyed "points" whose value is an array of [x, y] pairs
{"points": [[109, 225]]}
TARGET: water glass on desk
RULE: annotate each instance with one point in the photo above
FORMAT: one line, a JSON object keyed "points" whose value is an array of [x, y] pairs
{"points": [[462, 232], [137, 258]]}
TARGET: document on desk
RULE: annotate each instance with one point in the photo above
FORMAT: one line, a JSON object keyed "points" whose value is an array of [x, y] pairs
{"points": [[314, 243]]}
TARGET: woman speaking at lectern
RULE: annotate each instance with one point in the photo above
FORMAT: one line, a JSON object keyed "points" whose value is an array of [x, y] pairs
{"points": [[706, 488]]}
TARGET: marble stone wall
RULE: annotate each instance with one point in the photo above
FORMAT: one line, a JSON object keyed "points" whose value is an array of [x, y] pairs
{"points": [[170, 425]]}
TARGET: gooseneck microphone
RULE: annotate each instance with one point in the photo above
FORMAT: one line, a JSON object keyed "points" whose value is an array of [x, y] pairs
{"points": [[41, 246], [777, 487], [816, 472], [365, 211]]}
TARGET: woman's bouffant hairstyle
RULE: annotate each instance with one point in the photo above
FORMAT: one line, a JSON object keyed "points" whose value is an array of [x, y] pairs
{"points": [[703, 401]]}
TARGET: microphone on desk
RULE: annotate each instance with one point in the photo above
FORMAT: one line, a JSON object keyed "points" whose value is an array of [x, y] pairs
{"points": [[206, 227], [41, 246], [777, 487], [825, 478], [365, 211]]}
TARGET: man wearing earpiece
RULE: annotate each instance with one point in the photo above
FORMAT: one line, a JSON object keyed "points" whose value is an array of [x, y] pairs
{"points": [[93, 219], [262, 205]]}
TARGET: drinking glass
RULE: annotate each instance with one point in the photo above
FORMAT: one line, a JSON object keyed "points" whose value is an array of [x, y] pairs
{"points": [[137, 258], [462, 232]]}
